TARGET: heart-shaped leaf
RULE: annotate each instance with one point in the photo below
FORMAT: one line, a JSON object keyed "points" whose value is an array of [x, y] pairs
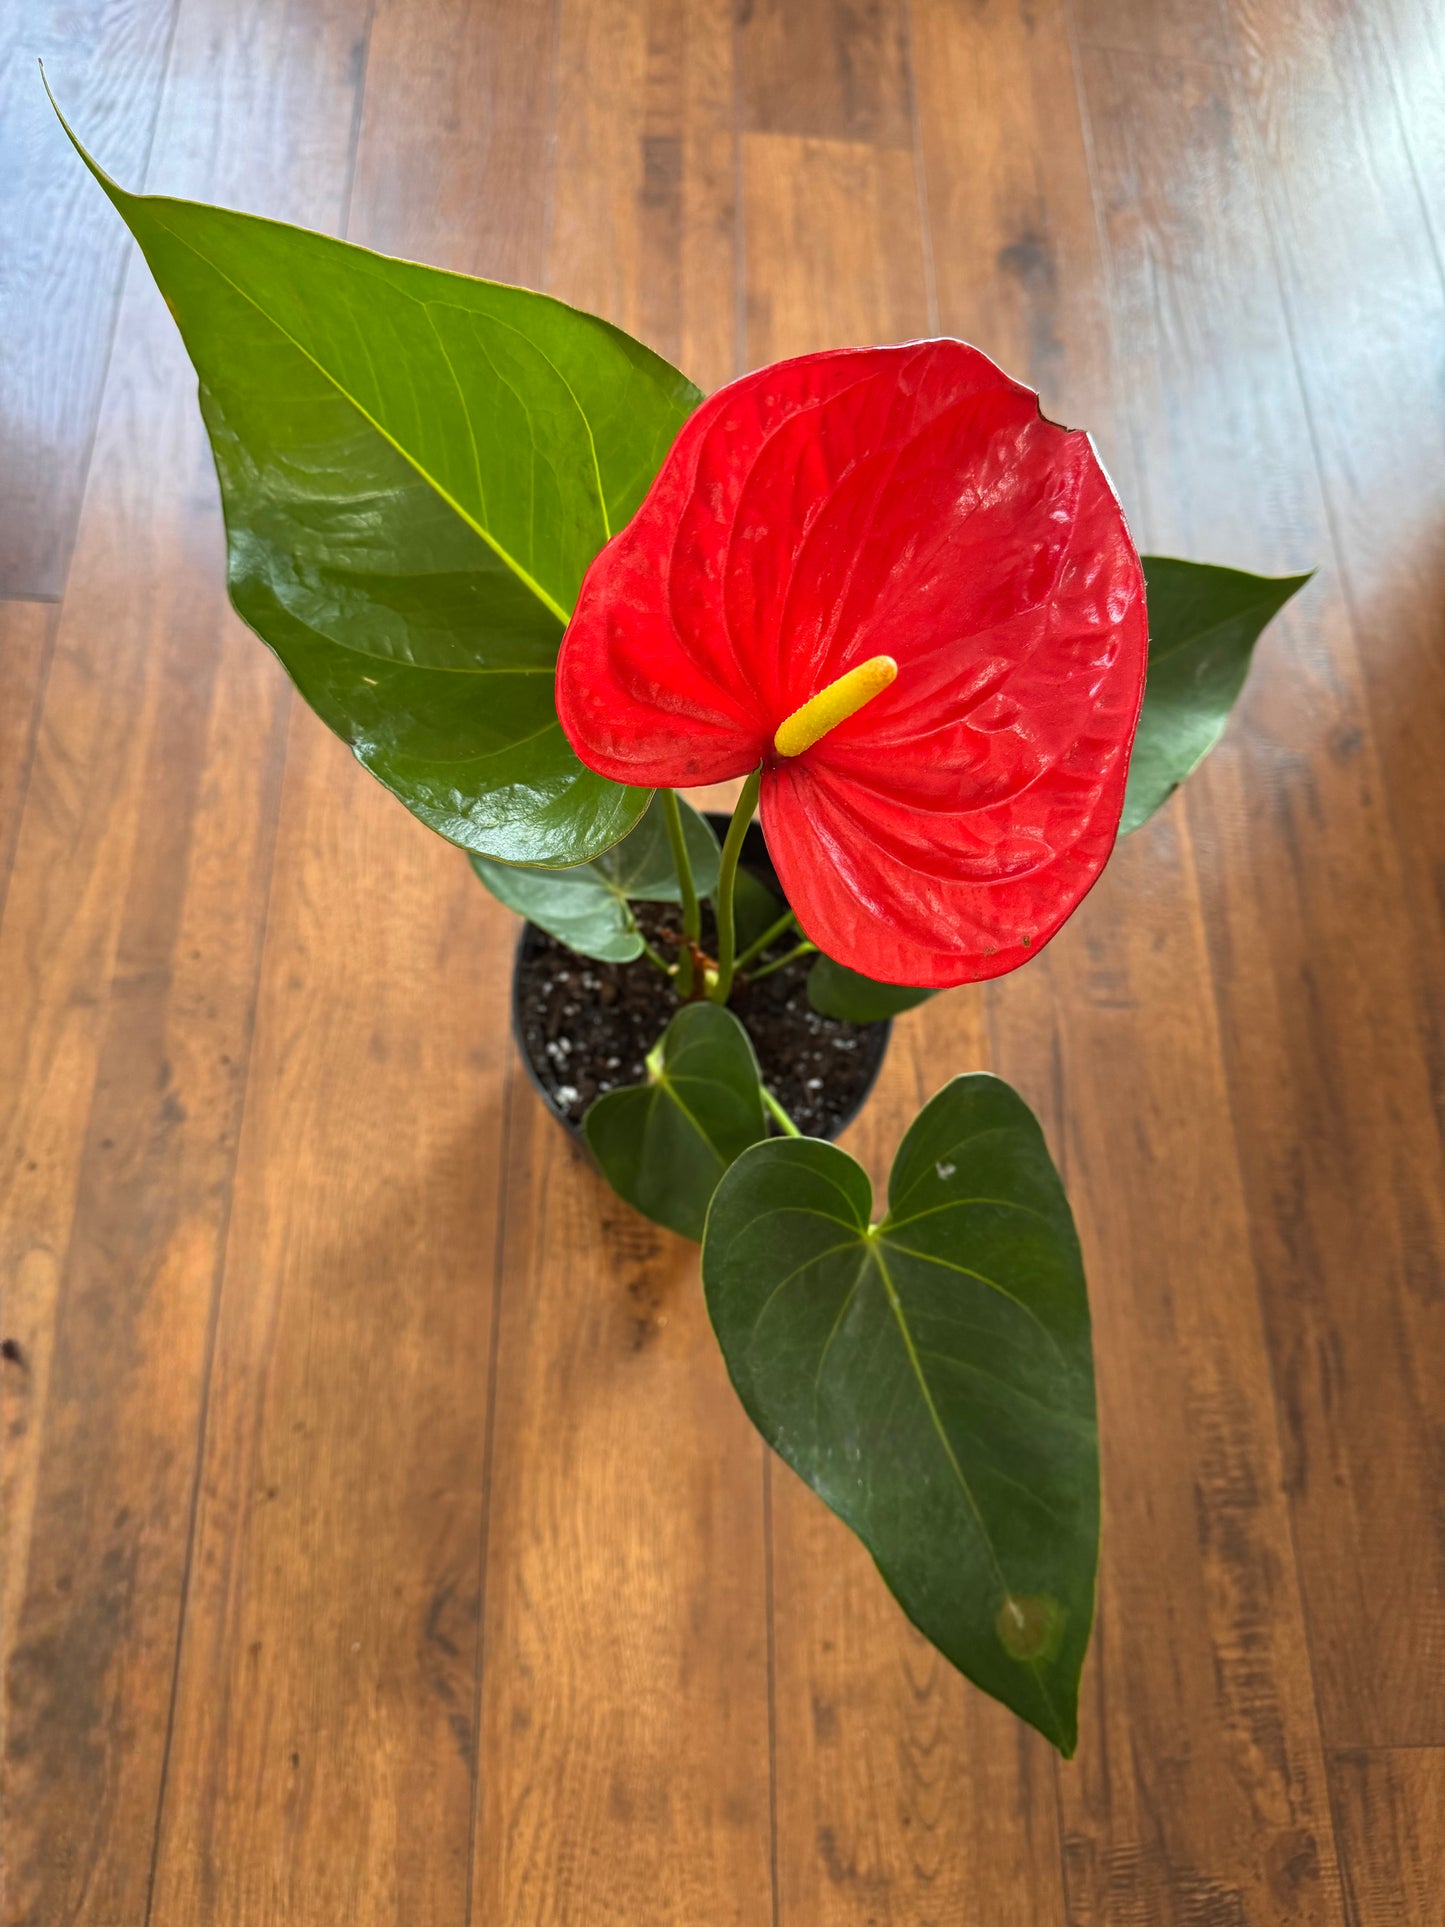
{"points": [[416, 469], [931, 1376], [1203, 625], [837, 991], [589, 908], [663, 1145]]}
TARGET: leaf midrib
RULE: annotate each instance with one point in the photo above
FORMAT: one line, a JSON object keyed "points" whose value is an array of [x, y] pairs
{"points": [[523, 575], [1197, 637], [895, 1305]]}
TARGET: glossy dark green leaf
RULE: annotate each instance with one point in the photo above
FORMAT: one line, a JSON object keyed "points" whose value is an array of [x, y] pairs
{"points": [[837, 991], [416, 469], [1203, 625], [663, 1145], [931, 1377], [589, 907], [755, 908]]}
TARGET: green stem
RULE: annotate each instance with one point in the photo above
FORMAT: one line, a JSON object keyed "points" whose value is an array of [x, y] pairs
{"points": [[655, 957], [804, 949], [691, 914], [726, 877], [760, 944], [785, 1123]]}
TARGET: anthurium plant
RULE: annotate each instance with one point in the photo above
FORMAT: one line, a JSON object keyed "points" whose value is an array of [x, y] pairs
{"points": [[539, 584]]}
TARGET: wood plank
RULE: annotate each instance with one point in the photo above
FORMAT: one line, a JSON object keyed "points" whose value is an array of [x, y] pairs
{"points": [[27, 633], [817, 210], [1412, 49], [1315, 949], [453, 158], [64, 255], [624, 1751], [128, 953], [1187, 30], [902, 1794], [324, 1748], [815, 67], [624, 1765], [1389, 1805], [1199, 1786], [1014, 236], [1199, 1789], [1342, 194]]}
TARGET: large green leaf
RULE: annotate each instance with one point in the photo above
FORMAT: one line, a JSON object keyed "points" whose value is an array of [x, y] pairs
{"points": [[931, 1376], [837, 991], [416, 469], [589, 908], [1203, 625], [663, 1145]]}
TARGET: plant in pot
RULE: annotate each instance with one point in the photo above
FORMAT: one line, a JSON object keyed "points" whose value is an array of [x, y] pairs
{"points": [[539, 585]]}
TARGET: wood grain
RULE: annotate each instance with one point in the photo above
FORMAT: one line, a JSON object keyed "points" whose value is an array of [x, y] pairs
{"points": [[1411, 47], [128, 952], [1389, 1805], [1190, 30], [323, 1750], [1314, 944], [128, 955], [64, 255], [1334, 163], [27, 633], [816, 67]]}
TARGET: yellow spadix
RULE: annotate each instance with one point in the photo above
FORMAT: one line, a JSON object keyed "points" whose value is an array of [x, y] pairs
{"points": [[834, 705]]}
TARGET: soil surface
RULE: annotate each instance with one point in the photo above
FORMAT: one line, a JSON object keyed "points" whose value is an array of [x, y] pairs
{"points": [[588, 1026]]}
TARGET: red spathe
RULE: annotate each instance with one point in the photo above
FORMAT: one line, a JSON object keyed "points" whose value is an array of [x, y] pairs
{"points": [[909, 502]]}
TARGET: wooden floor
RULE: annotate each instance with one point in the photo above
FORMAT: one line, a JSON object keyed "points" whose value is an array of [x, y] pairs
{"points": [[383, 1541]]}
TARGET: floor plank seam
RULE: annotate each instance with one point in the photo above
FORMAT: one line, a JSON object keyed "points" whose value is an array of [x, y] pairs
{"points": [[499, 1258], [213, 1314]]}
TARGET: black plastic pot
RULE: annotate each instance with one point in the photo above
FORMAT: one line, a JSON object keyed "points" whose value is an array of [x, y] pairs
{"points": [[754, 858]]}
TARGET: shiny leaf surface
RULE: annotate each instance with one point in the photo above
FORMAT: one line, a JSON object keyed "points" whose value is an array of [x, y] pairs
{"points": [[864, 507], [416, 469], [839, 992], [589, 907], [1203, 625], [663, 1145], [931, 1377]]}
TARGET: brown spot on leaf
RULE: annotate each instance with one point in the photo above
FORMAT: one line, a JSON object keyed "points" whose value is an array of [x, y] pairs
{"points": [[1030, 1625]]}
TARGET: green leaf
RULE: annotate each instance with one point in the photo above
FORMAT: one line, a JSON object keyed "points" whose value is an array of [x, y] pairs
{"points": [[589, 908], [931, 1377], [416, 469], [663, 1145], [839, 992], [755, 908], [1203, 625]]}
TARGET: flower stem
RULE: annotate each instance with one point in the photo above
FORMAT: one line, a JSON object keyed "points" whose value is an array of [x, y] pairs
{"points": [[760, 944], [804, 949], [785, 1123], [691, 915], [726, 877]]}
